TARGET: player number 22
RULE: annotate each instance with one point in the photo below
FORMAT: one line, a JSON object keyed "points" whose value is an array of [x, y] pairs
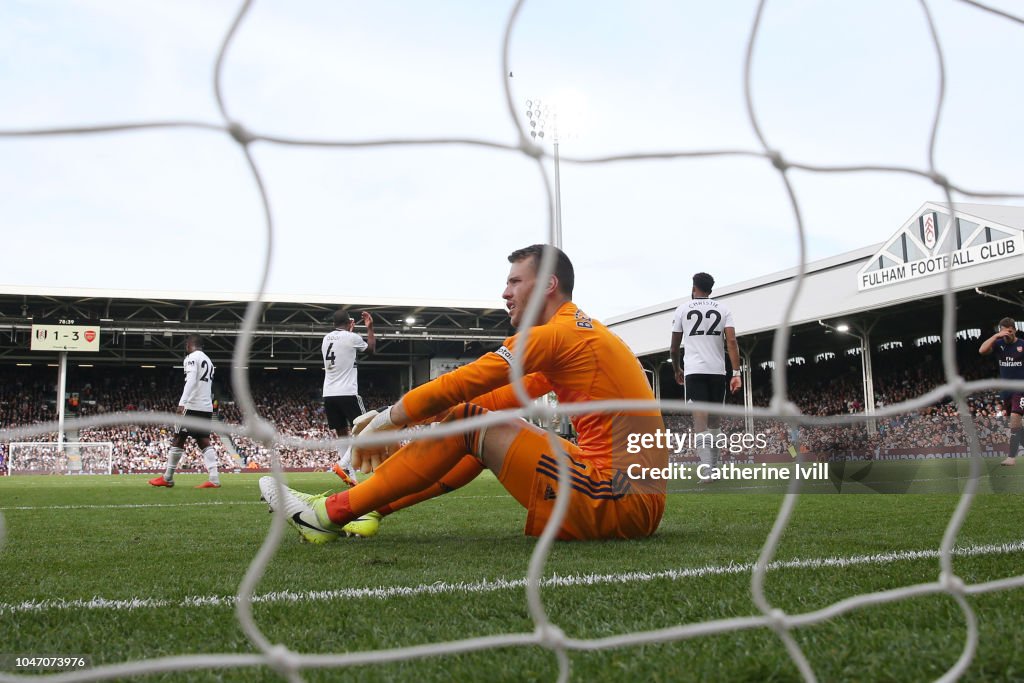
{"points": [[699, 318]]}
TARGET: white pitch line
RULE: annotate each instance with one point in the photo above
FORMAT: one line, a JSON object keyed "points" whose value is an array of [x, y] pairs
{"points": [[493, 585], [182, 505], [132, 505]]}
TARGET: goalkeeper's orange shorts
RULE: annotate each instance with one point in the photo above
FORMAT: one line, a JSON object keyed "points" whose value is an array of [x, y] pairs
{"points": [[600, 504]]}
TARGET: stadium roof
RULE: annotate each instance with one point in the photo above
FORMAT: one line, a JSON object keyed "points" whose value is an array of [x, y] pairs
{"points": [[149, 326], [905, 274]]}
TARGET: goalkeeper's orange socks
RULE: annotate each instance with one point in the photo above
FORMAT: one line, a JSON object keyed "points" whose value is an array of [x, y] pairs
{"points": [[465, 471], [408, 471]]}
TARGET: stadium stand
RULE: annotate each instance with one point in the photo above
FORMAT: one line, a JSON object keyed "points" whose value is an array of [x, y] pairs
{"points": [[293, 404], [833, 387]]}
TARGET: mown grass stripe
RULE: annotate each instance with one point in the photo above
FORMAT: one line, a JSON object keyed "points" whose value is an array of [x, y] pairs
{"points": [[492, 585]]}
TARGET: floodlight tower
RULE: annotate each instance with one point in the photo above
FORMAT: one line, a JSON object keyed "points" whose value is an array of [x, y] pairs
{"points": [[538, 114]]}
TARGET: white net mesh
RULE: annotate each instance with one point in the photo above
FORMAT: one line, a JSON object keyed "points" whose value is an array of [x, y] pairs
{"points": [[547, 634]]}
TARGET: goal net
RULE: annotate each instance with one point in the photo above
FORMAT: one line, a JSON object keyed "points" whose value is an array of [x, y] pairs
{"points": [[69, 457], [544, 630]]}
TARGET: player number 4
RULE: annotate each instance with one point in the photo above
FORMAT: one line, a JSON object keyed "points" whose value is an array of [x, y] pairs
{"points": [[329, 355]]}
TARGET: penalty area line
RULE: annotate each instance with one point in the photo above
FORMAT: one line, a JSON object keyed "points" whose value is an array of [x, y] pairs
{"points": [[493, 585], [132, 505]]}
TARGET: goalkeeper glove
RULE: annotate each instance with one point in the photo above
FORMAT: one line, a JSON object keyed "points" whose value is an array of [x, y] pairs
{"points": [[367, 458], [359, 424]]}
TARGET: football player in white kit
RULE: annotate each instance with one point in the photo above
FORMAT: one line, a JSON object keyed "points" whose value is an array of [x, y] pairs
{"points": [[700, 324], [342, 402], [196, 401]]}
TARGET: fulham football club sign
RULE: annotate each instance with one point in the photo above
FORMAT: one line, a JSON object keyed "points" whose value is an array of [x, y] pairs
{"points": [[932, 243]]}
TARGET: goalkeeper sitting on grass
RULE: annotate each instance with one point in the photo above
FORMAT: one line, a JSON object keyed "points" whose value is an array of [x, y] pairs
{"points": [[566, 352]]}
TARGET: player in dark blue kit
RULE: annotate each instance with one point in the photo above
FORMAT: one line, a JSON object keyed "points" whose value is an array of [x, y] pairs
{"points": [[1008, 345]]}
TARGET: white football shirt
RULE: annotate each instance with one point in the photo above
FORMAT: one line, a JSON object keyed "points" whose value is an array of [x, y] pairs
{"points": [[703, 323], [198, 393], [339, 351]]}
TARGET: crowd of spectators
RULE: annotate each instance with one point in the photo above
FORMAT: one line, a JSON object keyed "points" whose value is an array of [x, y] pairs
{"points": [[49, 459], [296, 410], [143, 448], [294, 406], [834, 387], [25, 399]]}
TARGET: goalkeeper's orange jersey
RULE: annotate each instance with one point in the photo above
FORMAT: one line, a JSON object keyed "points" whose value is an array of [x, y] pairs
{"points": [[572, 354]]}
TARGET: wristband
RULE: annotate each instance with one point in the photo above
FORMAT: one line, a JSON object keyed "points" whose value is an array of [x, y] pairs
{"points": [[383, 420]]}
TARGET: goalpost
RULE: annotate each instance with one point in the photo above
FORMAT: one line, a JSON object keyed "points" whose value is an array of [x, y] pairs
{"points": [[68, 457]]}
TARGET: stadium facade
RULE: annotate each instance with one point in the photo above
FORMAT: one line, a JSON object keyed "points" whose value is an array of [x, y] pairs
{"points": [[886, 293]]}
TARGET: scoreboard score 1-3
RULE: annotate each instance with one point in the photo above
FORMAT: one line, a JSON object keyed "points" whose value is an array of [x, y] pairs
{"points": [[65, 334]]}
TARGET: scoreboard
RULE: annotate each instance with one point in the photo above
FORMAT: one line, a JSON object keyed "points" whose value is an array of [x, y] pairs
{"points": [[65, 334]]}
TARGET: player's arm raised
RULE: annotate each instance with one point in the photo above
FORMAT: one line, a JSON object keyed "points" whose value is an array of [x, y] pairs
{"points": [[371, 339], [988, 345]]}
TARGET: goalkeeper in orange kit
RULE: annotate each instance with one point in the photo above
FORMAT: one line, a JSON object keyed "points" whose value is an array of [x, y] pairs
{"points": [[566, 352]]}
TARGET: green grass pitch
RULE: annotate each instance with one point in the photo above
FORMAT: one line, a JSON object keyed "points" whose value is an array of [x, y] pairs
{"points": [[77, 538]]}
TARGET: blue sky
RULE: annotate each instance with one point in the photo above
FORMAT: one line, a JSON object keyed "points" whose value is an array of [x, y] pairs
{"points": [[833, 83]]}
